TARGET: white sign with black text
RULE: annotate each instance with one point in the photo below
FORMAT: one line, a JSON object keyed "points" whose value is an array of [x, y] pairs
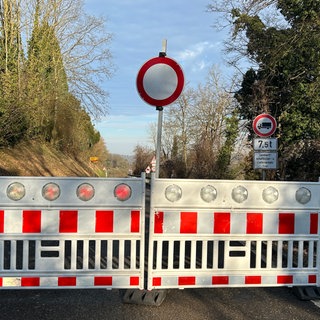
{"points": [[265, 160]]}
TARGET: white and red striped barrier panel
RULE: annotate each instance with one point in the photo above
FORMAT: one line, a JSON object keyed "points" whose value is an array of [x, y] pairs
{"points": [[90, 233], [233, 233], [72, 232]]}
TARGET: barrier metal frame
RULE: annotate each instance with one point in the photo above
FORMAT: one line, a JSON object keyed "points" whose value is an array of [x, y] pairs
{"points": [[70, 243], [224, 243]]}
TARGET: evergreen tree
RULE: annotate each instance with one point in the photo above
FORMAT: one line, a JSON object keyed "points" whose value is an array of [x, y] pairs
{"points": [[35, 99], [225, 153], [47, 81], [287, 81], [12, 114]]}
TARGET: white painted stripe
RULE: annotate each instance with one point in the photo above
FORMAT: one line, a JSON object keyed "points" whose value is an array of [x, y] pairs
{"points": [[316, 302]]}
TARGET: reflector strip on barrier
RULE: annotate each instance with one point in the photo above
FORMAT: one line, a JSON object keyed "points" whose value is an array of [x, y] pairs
{"points": [[238, 222], [71, 282], [167, 281]]}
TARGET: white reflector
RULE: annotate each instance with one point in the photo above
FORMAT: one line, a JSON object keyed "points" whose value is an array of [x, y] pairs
{"points": [[208, 193], [85, 192], [239, 194], [16, 191], [303, 195], [173, 193], [122, 192], [51, 191], [270, 195]]}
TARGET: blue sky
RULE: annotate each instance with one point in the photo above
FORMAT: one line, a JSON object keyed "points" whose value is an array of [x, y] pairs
{"points": [[138, 28]]}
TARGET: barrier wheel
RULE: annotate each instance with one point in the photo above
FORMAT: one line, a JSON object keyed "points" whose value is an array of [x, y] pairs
{"points": [[143, 297]]}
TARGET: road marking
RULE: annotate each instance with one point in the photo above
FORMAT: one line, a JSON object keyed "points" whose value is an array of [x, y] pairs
{"points": [[316, 302]]}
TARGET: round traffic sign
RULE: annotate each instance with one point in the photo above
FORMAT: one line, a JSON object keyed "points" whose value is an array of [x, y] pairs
{"points": [[264, 125], [160, 81]]}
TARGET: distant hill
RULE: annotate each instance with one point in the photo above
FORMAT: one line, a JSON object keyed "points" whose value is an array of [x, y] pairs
{"points": [[118, 165], [130, 159]]}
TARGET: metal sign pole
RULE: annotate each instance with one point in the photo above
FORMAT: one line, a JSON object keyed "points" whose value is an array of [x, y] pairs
{"points": [[163, 53], [159, 133], [160, 82]]}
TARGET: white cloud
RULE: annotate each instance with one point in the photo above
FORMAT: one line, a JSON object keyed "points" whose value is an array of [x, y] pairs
{"points": [[201, 65], [197, 59], [194, 51]]}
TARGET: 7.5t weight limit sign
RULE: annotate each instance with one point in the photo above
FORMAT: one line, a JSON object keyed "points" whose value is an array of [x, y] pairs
{"points": [[265, 144]]}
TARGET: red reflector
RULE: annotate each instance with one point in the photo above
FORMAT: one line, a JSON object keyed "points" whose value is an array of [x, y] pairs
{"points": [[67, 281], [220, 280], [85, 192], [1, 221], [156, 282], [103, 281], [51, 191], [253, 279], [134, 281], [286, 279], [30, 282], [122, 192], [186, 281], [313, 223], [312, 278]]}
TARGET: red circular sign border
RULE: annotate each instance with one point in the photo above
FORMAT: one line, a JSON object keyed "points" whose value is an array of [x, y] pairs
{"points": [[175, 66], [264, 115]]}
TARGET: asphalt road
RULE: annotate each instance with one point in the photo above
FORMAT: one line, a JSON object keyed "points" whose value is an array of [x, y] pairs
{"points": [[197, 304]]}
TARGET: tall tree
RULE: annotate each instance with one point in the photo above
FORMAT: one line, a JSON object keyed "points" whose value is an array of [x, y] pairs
{"points": [[178, 133], [84, 43], [52, 89], [12, 121], [198, 126], [225, 153], [46, 78], [142, 158], [284, 79]]}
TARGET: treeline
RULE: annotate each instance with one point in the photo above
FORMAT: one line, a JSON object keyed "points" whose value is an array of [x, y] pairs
{"points": [[41, 96], [279, 41], [201, 134]]}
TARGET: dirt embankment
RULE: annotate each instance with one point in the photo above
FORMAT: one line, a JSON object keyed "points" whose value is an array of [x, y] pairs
{"points": [[39, 159]]}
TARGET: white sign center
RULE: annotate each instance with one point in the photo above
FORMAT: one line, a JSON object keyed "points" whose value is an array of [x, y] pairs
{"points": [[153, 81]]}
